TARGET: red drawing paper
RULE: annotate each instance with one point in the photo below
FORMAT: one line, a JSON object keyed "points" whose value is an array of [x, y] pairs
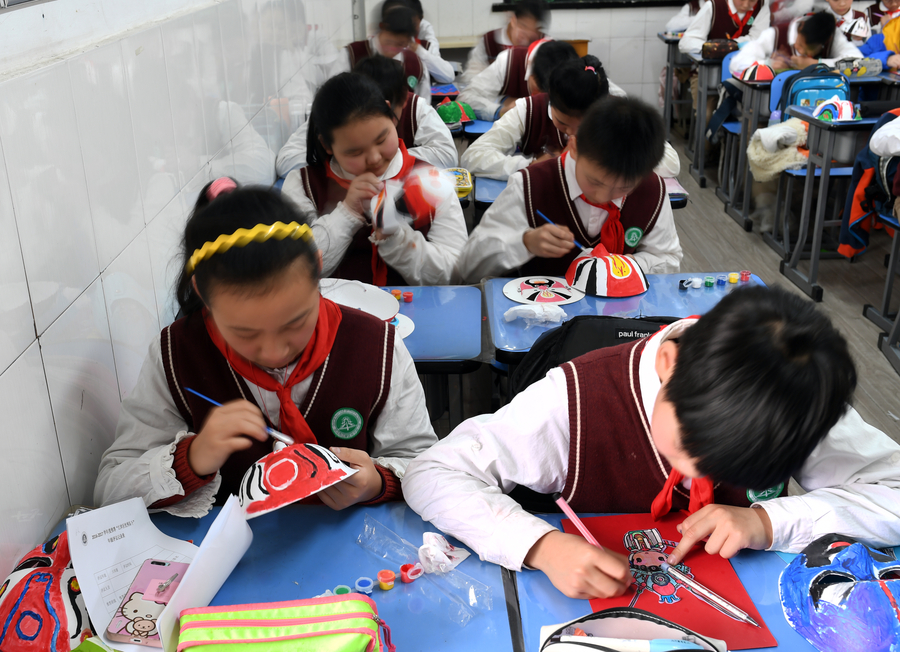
{"points": [[647, 544]]}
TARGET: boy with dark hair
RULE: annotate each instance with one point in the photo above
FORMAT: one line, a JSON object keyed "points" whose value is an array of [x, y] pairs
{"points": [[441, 71], [713, 415], [601, 190], [516, 73], [795, 45], [418, 125], [526, 25]]}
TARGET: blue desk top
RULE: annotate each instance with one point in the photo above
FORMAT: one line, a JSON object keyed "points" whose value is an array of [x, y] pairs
{"points": [[662, 299], [448, 322], [541, 604], [487, 190], [302, 551], [478, 126], [805, 113]]}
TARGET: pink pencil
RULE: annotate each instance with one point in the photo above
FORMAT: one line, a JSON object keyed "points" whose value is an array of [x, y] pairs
{"points": [[564, 506]]}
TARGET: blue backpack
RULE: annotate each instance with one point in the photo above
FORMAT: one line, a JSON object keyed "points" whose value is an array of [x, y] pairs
{"points": [[812, 86]]}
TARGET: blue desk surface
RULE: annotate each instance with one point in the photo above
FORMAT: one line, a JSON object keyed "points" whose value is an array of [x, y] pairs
{"points": [[805, 113], [478, 126], [487, 190], [662, 299], [302, 551], [541, 604], [448, 322]]}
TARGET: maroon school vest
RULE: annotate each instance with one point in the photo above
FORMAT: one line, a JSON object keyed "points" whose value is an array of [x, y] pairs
{"points": [[874, 11], [357, 262], [408, 124], [412, 65], [492, 46], [363, 350], [514, 83], [723, 25], [613, 464], [539, 128], [783, 44], [546, 190]]}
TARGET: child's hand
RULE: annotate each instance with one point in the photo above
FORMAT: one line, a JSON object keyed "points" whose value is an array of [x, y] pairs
{"points": [[507, 105], [545, 156], [577, 568], [730, 530], [361, 191], [364, 485], [227, 429], [549, 241], [780, 61], [799, 63], [893, 61]]}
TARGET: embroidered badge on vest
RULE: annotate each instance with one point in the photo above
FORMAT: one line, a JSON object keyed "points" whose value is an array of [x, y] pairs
{"points": [[346, 423], [412, 81], [766, 494], [633, 236]]}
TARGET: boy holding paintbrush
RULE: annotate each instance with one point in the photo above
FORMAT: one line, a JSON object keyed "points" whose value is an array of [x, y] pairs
{"points": [[602, 190]]}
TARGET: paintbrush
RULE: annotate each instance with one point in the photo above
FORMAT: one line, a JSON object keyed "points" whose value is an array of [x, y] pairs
{"points": [[280, 436]]}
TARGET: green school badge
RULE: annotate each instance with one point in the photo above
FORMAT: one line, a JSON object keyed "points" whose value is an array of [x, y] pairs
{"points": [[412, 81], [346, 423], [765, 494], [633, 236]]}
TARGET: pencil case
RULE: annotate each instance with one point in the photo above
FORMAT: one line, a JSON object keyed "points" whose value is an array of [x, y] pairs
{"points": [[463, 180], [337, 623]]}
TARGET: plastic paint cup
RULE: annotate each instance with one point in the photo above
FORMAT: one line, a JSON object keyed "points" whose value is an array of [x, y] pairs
{"points": [[341, 589], [397, 294], [410, 572], [733, 277], [407, 297], [386, 579], [364, 585], [720, 280], [745, 275], [709, 281]]}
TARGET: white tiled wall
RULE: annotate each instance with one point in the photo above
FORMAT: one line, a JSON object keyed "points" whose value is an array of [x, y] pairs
{"points": [[102, 155]]}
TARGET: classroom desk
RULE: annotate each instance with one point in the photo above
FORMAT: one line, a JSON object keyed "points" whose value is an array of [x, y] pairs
{"points": [[541, 604], [477, 127], [708, 75], [821, 147], [671, 63], [891, 89], [755, 102], [303, 550], [447, 339], [511, 341]]}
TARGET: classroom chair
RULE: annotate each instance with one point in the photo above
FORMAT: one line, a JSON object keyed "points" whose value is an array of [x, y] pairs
{"points": [[779, 239], [728, 172], [882, 316]]}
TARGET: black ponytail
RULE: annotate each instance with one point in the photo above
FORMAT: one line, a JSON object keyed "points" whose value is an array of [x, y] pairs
{"points": [[575, 85], [388, 76], [548, 56], [253, 265], [341, 100]]}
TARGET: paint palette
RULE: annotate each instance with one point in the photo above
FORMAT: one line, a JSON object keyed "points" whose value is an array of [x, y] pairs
{"points": [[361, 296], [542, 289]]}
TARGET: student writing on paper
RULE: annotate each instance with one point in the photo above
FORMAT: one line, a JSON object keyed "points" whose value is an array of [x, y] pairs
{"points": [[601, 190], [259, 338], [713, 415]]}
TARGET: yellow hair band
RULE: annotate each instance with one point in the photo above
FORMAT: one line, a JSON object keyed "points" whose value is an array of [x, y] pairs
{"points": [[242, 237]]}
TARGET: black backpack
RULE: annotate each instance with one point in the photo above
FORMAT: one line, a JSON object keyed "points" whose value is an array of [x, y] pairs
{"points": [[575, 337]]}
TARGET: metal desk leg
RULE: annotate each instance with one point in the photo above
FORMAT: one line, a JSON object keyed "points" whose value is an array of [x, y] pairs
{"points": [[790, 270], [670, 73], [749, 124], [699, 161]]}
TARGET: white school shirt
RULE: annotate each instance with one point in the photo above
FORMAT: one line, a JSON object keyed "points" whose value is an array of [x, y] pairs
{"points": [[697, 32], [478, 58], [422, 89], [764, 47], [139, 463], [433, 143], [848, 19], [420, 260], [496, 244], [494, 155], [886, 140], [442, 71], [460, 483]]}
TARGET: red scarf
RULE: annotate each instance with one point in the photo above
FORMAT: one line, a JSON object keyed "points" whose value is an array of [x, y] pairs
{"points": [[612, 233], [291, 421], [379, 267], [701, 495], [741, 24]]}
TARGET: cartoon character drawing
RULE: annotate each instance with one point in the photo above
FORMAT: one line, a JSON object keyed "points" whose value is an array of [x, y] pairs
{"points": [[544, 290], [647, 552], [141, 615]]}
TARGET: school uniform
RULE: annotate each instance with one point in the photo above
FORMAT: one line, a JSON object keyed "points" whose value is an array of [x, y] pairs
{"points": [[682, 20], [782, 38], [157, 420], [495, 247], [719, 19], [415, 64], [424, 255], [485, 53], [844, 22], [584, 431], [523, 134], [441, 71], [876, 13], [420, 128]]}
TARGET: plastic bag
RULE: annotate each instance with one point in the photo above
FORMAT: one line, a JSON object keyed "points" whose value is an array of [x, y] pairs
{"points": [[438, 556], [536, 314]]}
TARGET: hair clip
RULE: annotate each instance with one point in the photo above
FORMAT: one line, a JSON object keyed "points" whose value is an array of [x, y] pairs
{"points": [[220, 185], [242, 237], [591, 68]]}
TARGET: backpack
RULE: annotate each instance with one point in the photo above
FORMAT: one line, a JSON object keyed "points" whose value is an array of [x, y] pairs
{"points": [[575, 337], [812, 86]]}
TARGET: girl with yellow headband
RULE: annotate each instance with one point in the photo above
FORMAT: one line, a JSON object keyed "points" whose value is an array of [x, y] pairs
{"points": [[257, 337]]}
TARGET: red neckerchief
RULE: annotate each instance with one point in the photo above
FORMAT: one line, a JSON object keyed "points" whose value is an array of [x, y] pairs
{"points": [[701, 495], [291, 420], [612, 233], [741, 24]]}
